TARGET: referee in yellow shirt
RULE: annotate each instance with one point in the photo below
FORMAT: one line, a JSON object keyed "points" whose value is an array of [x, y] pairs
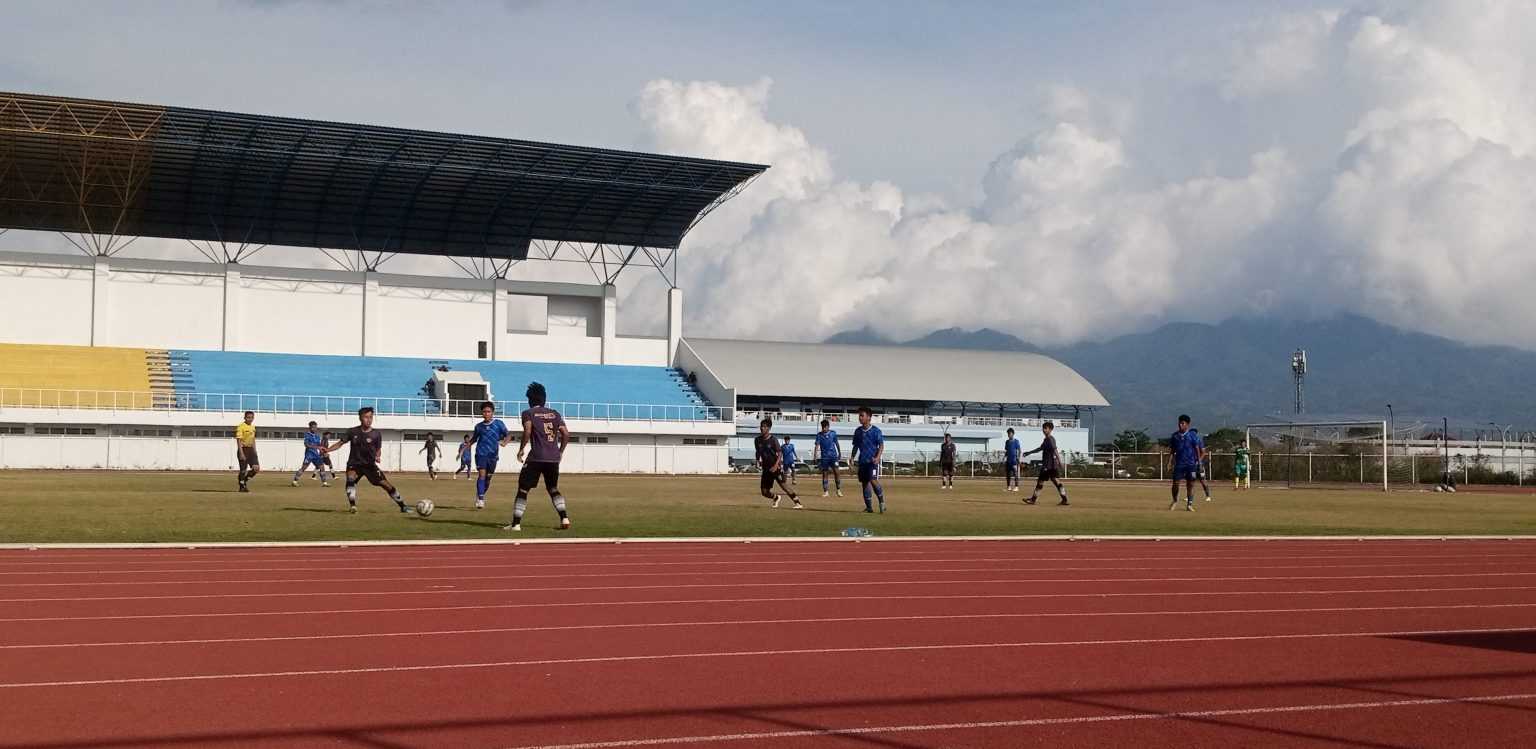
{"points": [[245, 450]]}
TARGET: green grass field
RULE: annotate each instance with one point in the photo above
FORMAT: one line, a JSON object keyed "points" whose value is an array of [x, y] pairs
{"points": [[59, 506]]}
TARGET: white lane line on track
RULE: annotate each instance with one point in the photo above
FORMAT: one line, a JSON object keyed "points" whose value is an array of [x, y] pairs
{"points": [[716, 601], [719, 574], [816, 584], [775, 621], [1028, 722], [197, 553], [747, 654], [1415, 559]]}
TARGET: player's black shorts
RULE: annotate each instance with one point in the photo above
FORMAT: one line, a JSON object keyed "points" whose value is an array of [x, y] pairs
{"points": [[868, 472], [247, 457], [372, 472], [947, 468], [532, 472], [770, 478], [1049, 474]]}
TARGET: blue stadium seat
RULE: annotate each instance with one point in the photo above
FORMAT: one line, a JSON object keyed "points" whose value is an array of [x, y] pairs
{"points": [[292, 383]]}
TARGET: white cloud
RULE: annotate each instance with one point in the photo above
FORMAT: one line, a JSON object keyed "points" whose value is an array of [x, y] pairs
{"points": [[1421, 213]]}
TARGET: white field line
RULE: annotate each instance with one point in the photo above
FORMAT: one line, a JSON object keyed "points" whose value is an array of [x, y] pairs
{"points": [[740, 539], [798, 584], [718, 601], [773, 622], [741, 654], [1028, 722]]}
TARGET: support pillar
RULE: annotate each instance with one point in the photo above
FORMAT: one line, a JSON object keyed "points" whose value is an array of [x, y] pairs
{"points": [[373, 317], [674, 324], [500, 349], [101, 295], [610, 323], [231, 339]]}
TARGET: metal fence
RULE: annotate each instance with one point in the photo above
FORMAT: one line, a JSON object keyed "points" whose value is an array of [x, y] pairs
{"points": [[138, 400]]}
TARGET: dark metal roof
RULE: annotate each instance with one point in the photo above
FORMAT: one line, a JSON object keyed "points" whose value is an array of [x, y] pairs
{"points": [[103, 167]]}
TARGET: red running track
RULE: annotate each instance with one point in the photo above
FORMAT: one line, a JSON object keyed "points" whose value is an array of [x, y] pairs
{"points": [[890, 644]]}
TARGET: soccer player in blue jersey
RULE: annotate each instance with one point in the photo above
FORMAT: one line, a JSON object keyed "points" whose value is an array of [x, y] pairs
{"points": [[826, 453], [1011, 449], [491, 434], [868, 447], [1188, 450], [313, 441], [466, 453], [1050, 465], [791, 456]]}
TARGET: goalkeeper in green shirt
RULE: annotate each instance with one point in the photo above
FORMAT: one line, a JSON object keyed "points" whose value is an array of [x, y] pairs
{"points": [[1240, 470]]}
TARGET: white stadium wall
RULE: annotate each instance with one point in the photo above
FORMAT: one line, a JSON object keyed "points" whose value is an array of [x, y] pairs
{"points": [[80, 301], [46, 303]]}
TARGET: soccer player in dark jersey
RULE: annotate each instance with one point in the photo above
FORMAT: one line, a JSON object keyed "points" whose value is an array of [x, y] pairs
{"points": [[868, 448], [827, 452], [1050, 465], [1188, 450], [466, 451], [491, 434], [363, 460], [432, 449], [947, 453], [1011, 450], [770, 457], [544, 438]]}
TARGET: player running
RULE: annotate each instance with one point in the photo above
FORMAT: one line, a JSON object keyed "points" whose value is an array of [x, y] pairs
{"points": [[1240, 468], [1011, 450], [544, 438], [770, 457], [432, 449], [868, 447], [1050, 466], [363, 460], [491, 434], [245, 450], [466, 451], [313, 442], [947, 453], [1188, 450], [826, 453], [791, 456]]}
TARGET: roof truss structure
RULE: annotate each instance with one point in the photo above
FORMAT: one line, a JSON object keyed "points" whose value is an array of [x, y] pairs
{"points": [[104, 173]]}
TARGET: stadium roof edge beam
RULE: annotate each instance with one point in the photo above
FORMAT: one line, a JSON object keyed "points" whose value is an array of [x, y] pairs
{"points": [[105, 167], [812, 371]]}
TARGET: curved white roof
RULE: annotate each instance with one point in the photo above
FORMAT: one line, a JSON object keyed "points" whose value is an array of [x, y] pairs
{"points": [[811, 371]]}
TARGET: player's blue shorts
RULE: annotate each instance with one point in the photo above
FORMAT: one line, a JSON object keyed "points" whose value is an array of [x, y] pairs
{"points": [[1187, 473], [1013, 467], [827, 464], [313, 459], [486, 463], [868, 472]]}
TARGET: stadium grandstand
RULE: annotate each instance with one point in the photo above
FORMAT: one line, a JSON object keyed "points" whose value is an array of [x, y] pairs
{"points": [[113, 361], [918, 395]]}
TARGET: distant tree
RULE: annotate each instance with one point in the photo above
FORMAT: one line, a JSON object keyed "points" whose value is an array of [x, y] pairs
{"points": [[1225, 438], [1132, 441]]}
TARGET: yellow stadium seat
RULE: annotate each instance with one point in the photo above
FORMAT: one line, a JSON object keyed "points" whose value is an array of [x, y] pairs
{"points": [[74, 376]]}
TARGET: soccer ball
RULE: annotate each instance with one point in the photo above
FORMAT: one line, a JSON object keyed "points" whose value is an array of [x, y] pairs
{"points": [[425, 507]]}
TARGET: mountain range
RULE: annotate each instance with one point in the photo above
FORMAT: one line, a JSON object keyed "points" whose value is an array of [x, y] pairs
{"points": [[1238, 371]]}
